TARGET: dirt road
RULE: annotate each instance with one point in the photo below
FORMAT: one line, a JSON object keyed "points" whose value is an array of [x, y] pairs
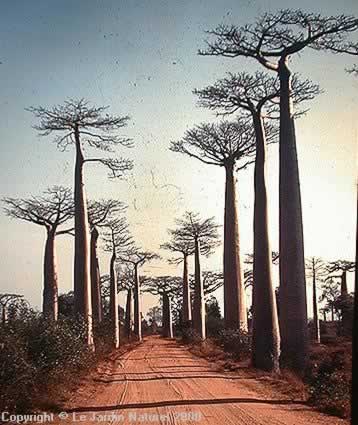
{"points": [[161, 382]]}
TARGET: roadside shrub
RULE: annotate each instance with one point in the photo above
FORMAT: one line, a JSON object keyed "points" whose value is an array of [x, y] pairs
{"points": [[36, 353], [235, 341], [190, 336], [214, 325], [329, 385]]}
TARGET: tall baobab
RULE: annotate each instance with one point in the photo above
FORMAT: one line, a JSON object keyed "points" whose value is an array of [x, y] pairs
{"points": [[137, 258], [185, 249], [316, 269], [98, 213], [165, 287], [117, 241], [228, 145], [51, 211], [257, 96], [78, 123], [271, 41], [202, 231]]}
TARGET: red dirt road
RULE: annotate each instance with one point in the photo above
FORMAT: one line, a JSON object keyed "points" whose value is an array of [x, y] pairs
{"points": [[161, 382]]}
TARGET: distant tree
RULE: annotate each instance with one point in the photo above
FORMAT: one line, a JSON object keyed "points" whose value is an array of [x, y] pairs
{"points": [[117, 241], [137, 257], [340, 268], [51, 211], [165, 287], [202, 231], [330, 294], [78, 123], [316, 269], [99, 212], [126, 282], [6, 300], [212, 307], [229, 145], [185, 249], [271, 41], [155, 315]]}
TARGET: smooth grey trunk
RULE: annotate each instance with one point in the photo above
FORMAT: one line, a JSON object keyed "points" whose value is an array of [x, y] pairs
{"points": [[137, 306], [186, 292], [293, 301], [316, 326], [266, 333], [128, 321], [199, 303], [234, 292], [82, 283], [114, 303], [97, 307], [50, 291], [167, 317]]}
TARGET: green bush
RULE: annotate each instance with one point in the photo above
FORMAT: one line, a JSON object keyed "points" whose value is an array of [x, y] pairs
{"points": [[36, 353], [235, 341], [329, 385]]}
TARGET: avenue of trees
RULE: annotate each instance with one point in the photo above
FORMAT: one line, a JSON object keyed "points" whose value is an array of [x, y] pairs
{"points": [[264, 106]]}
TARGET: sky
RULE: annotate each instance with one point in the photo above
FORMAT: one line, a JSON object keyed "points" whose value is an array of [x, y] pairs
{"points": [[140, 58]]}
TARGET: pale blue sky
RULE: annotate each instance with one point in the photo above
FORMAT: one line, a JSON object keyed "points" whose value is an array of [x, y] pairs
{"points": [[140, 57]]}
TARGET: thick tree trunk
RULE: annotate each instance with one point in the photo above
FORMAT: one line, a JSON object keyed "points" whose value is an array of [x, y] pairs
{"points": [[50, 292], [293, 302], [234, 291], [82, 283], [316, 327], [114, 302], [97, 307], [137, 306], [167, 317], [186, 292], [354, 398], [128, 322], [266, 333], [199, 303]]}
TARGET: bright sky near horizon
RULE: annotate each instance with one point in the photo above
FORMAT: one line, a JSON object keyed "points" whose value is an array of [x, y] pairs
{"points": [[140, 58]]}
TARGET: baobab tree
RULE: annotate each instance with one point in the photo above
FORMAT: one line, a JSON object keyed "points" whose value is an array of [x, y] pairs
{"points": [[271, 41], [126, 282], [51, 211], [78, 123], [185, 248], [229, 145], [202, 231], [117, 241], [137, 257], [166, 287], [257, 96], [99, 212], [316, 269]]}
